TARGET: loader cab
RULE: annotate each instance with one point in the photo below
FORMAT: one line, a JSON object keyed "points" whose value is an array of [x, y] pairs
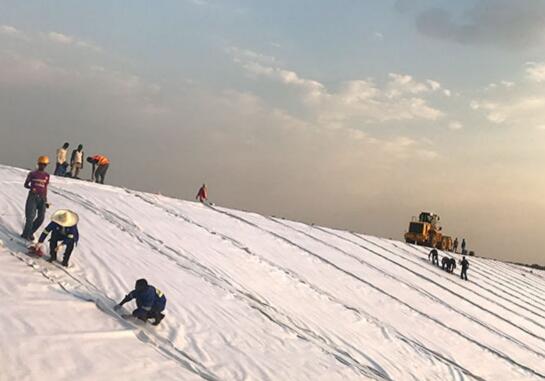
{"points": [[430, 218]]}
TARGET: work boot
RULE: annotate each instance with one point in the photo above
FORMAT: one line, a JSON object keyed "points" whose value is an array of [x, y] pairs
{"points": [[52, 257], [64, 263], [158, 319]]}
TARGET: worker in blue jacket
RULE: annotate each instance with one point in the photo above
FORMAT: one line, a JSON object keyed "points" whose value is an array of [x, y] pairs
{"points": [[150, 302], [63, 229]]}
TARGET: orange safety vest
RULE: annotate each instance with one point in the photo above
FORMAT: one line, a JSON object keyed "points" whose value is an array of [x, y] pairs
{"points": [[101, 160]]}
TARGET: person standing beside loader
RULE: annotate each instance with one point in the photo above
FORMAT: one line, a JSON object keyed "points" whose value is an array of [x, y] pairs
{"points": [[465, 266], [36, 202]]}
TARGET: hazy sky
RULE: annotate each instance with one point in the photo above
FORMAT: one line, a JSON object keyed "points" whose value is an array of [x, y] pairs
{"points": [[353, 114]]}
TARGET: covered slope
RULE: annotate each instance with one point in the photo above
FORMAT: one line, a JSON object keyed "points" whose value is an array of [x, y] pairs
{"points": [[259, 298], [48, 334]]}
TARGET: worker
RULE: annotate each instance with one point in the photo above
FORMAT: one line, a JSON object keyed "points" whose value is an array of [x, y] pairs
{"points": [[202, 194], [455, 245], [463, 245], [62, 165], [445, 261], [150, 302], [451, 265], [100, 165], [76, 162], [64, 229], [434, 257], [465, 266], [36, 203]]}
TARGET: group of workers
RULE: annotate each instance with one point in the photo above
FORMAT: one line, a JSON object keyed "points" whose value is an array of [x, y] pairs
{"points": [[63, 228], [99, 163], [462, 246], [449, 264]]}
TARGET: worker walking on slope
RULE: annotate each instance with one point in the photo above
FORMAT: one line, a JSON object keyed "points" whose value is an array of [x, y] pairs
{"points": [[202, 194], [150, 302], [434, 255], [100, 165], [36, 202], [76, 162], [465, 266], [64, 229], [62, 165]]}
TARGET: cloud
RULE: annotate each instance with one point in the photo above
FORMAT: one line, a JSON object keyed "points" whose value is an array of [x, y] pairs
{"points": [[489, 22], [535, 71], [21, 72], [63, 39], [378, 36], [55, 37], [517, 106], [13, 32], [355, 102], [60, 38], [455, 125]]}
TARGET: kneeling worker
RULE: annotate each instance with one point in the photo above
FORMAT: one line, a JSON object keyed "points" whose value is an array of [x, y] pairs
{"points": [[150, 302], [63, 228]]}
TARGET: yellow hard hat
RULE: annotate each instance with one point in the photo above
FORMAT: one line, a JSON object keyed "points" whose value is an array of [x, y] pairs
{"points": [[43, 160]]}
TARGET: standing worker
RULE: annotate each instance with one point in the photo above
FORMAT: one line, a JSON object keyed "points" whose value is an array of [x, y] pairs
{"points": [[463, 245], [150, 302], [62, 165], [455, 245], [36, 201], [465, 266], [202, 194], [63, 228], [100, 165], [76, 162]]}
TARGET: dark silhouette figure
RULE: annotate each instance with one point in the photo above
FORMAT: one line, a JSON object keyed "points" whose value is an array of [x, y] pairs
{"points": [[445, 262], [434, 255], [465, 266], [455, 245], [451, 265], [463, 245]]}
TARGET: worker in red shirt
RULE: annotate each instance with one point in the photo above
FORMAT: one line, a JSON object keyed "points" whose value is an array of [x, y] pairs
{"points": [[100, 165], [202, 194], [36, 202]]}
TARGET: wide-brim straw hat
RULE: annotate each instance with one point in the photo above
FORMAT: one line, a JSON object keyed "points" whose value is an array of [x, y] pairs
{"points": [[65, 218]]}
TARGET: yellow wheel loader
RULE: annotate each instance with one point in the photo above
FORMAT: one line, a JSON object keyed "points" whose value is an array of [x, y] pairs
{"points": [[426, 232]]}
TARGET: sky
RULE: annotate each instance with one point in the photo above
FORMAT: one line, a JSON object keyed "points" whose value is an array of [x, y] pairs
{"points": [[351, 114]]}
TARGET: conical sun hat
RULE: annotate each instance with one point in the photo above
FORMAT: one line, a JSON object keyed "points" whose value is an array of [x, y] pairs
{"points": [[64, 217]]}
